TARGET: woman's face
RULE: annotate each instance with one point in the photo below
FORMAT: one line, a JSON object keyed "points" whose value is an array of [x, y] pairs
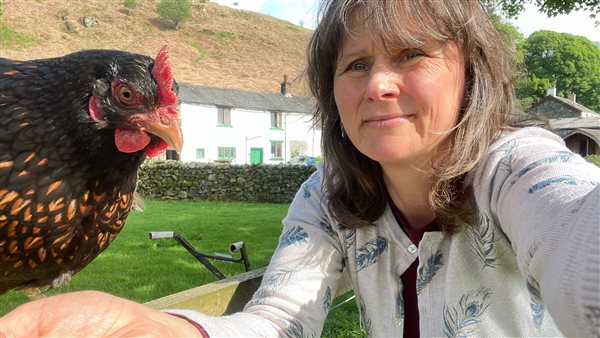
{"points": [[397, 108]]}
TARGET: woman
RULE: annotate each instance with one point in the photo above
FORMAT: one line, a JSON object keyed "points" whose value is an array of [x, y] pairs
{"points": [[446, 220]]}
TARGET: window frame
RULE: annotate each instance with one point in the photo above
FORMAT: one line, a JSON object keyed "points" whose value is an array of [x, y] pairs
{"points": [[230, 158], [277, 120], [203, 153], [274, 153], [224, 116]]}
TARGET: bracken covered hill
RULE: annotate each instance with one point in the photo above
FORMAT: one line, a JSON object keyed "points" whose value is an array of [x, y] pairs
{"points": [[219, 46]]}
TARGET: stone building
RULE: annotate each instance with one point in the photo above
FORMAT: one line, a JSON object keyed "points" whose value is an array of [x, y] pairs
{"points": [[578, 125], [555, 107]]}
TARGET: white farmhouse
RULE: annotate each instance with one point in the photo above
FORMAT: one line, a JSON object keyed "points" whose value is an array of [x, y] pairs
{"points": [[244, 127]]}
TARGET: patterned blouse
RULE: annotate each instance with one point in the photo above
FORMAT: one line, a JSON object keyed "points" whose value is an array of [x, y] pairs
{"points": [[529, 267]]}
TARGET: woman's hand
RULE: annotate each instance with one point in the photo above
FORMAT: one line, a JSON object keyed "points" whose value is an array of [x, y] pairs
{"points": [[91, 314]]}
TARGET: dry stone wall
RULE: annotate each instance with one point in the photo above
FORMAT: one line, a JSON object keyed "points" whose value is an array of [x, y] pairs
{"points": [[224, 182]]}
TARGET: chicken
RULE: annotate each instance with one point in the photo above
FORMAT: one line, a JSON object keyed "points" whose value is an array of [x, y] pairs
{"points": [[73, 132]]}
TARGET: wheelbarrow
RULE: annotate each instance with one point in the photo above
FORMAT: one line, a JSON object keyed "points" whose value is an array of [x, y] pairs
{"points": [[205, 258]]}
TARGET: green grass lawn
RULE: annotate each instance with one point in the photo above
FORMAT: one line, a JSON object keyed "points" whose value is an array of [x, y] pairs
{"points": [[139, 269]]}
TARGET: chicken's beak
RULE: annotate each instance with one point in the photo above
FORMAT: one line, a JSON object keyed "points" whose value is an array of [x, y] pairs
{"points": [[166, 126]]}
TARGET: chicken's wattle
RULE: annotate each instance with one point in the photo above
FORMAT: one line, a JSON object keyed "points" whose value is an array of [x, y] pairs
{"points": [[130, 141]]}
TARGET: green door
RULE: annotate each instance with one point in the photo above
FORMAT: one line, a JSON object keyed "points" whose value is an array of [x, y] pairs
{"points": [[256, 155]]}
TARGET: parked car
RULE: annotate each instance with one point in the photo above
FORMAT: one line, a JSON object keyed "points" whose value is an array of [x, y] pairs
{"points": [[303, 160]]}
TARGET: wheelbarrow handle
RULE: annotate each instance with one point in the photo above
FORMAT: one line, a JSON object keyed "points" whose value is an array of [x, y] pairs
{"points": [[233, 247], [161, 234]]}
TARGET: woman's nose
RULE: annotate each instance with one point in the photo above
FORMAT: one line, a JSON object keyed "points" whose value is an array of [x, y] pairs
{"points": [[382, 84]]}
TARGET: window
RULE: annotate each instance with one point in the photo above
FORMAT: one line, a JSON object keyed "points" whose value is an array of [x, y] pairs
{"points": [[277, 149], [276, 119], [199, 153], [224, 118], [226, 153], [172, 155]]}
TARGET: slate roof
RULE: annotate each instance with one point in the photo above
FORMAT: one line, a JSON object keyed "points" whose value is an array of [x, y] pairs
{"points": [[579, 108], [233, 98], [545, 107], [576, 122], [566, 127]]}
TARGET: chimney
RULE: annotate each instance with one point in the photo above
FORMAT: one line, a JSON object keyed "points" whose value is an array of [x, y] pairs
{"points": [[572, 96], [284, 86], [551, 91]]}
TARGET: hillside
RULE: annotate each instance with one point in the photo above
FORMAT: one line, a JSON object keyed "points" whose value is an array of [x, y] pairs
{"points": [[218, 46]]}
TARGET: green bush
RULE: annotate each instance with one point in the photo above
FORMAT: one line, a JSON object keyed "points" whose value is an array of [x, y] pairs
{"points": [[594, 159], [175, 11]]}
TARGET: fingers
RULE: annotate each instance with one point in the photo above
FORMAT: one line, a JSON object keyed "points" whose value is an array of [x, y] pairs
{"points": [[14, 324]]}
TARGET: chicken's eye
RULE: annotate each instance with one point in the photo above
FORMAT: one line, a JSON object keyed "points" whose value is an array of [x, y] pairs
{"points": [[125, 94]]}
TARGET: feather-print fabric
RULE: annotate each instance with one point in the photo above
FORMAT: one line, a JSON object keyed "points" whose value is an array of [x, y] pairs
{"points": [[370, 252], [460, 319]]}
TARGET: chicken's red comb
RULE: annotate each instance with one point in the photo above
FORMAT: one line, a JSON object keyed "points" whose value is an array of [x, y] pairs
{"points": [[163, 75]]}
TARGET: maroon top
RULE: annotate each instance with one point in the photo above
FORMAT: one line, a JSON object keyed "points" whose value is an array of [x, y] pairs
{"points": [[409, 277]]}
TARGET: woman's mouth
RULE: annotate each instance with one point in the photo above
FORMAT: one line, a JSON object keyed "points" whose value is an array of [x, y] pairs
{"points": [[388, 121]]}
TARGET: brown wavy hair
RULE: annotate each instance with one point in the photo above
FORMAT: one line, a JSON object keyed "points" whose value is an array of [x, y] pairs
{"points": [[354, 182]]}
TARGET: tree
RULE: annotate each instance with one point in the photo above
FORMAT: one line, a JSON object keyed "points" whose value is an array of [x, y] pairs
{"points": [[512, 8], [568, 62], [515, 41], [510, 35], [175, 11]]}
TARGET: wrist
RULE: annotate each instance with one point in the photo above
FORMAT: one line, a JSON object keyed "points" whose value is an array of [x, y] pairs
{"points": [[197, 327]]}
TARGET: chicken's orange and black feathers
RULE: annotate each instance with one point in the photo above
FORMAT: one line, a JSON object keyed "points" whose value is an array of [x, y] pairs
{"points": [[73, 132]]}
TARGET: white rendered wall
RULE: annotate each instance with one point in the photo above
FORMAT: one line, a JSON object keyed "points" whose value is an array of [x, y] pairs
{"points": [[249, 129]]}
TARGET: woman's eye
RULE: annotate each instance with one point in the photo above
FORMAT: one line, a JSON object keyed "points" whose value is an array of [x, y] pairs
{"points": [[357, 66], [412, 54]]}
